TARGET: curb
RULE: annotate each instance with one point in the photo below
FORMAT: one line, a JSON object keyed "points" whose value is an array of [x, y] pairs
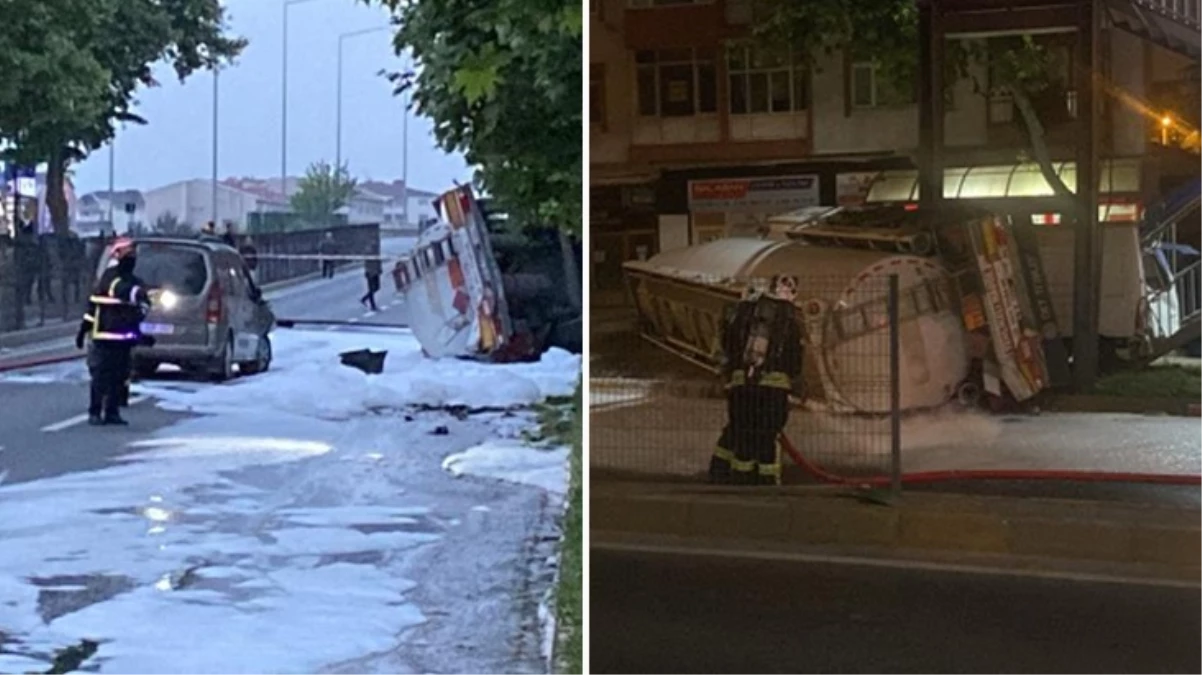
{"points": [[1029, 529], [27, 336], [41, 361], [1178, 407]]}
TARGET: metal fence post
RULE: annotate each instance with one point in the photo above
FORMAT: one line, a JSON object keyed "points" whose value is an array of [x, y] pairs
{"points": [[894, 388]]}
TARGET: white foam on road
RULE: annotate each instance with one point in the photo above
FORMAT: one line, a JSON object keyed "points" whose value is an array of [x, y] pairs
{"points": [[266, 535], [514, 462], [308, 379]]}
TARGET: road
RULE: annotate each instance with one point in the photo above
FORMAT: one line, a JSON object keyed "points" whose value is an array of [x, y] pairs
{"points": [[35, 419], [301, 519], [656, 613]]}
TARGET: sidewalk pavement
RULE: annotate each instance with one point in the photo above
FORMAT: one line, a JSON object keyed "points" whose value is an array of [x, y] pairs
{"points": [[1153, 542]]}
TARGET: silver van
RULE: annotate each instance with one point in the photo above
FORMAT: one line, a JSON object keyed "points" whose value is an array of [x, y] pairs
{"points": [[207, 314]]}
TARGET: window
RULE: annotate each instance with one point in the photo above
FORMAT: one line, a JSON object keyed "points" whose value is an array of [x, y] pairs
{"points": [[180, 268], [596, 95], [647, 4], [764, 82], [676, 82], [869, 89], [439, 256]]}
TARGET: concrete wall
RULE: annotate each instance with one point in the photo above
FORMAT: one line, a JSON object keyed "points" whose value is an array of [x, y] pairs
{"points": [[611, 144], [885, 128]]}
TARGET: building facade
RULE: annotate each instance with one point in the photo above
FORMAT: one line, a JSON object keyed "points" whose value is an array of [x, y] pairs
{"points": [[191, 202], [693, 138], [128, 210]]}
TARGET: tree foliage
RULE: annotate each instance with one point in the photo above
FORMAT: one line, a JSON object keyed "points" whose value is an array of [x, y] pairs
{"points": [[885, 32], [322, 192], [72, 68], [169, 224], [501, 80]]}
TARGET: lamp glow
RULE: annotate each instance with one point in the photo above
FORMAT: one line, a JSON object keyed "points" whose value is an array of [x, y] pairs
{"points": [[168, 300]]}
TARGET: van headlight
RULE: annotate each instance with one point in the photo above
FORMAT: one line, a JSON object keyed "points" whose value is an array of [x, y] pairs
{"points": [[168, 300]]}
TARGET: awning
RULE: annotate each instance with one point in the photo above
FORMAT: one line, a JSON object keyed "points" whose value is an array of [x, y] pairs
{"points": [[1117, 177], [601, 175]]}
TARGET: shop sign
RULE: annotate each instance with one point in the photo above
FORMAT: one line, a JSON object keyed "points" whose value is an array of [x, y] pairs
{"points": [[773, 195], [851, 189]]}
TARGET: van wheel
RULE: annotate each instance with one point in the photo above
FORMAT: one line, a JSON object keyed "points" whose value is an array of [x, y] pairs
{"points": [[262, 360], [224, 367]]}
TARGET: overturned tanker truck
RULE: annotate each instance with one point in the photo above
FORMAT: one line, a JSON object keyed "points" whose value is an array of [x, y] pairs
{"points": [[473, 290], [965, 327]]}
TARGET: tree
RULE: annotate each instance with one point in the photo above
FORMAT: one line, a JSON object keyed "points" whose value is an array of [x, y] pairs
{"points": [[85, 61], [169, 224], [501, 80], [885, 32], [322, 192]]}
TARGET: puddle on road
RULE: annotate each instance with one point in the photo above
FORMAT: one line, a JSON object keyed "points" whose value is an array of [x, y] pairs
{"points": [[62, 595]]}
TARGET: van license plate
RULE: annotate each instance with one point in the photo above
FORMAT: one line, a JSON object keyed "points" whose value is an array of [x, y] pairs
{"points": [[158, 328]]}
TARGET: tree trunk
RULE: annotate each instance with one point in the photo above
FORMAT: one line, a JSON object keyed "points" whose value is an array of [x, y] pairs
{"points": [[56, 197], [570, 270], [60, 218], [1039, 147]]}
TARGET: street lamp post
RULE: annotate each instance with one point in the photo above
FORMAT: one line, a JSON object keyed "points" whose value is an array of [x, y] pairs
{"points": [[405, 158], [341, 43], [216, 79], [112, 166], [284, 100]]}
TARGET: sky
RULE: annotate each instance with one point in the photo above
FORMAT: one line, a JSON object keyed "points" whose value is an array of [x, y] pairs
{"points": [[177, 141]]}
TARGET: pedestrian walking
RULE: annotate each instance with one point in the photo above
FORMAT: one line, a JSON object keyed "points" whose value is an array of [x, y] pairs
{"points": [[250, 254], [229, 237], [762, 360], [113, 320], [372, 269], [326, 249]]}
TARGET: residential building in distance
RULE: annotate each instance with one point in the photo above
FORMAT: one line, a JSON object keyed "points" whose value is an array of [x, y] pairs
{"points": [[397, 213], [128, 210], [27, 188], [191, 202], [693, 138]]}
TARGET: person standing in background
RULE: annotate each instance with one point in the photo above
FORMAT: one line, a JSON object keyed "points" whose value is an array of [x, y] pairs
{"points": [[326, 249], [372, 269], [229, 237]]}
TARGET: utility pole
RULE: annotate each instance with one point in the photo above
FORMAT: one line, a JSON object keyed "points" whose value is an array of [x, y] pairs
{"points": [[405, 157], [112, 167], [216, 79], [1086, 263]]}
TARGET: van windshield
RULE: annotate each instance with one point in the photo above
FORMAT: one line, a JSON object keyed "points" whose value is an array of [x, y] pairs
{"points": [[181, 269]]}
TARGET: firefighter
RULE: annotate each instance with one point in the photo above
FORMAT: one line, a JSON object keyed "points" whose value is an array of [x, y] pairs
{"points": [[761, 345], [113, 321]]}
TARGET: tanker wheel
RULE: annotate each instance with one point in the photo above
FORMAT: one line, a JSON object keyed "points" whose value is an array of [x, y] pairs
{"points": [[968, 394]]}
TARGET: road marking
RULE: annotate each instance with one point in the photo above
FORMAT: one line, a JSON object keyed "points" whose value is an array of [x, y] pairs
{"points": [[82, 417], [782, 556]]}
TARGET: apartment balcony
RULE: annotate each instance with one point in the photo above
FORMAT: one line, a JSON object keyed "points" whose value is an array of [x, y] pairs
{"points": [[677, 25], [718, 138]]}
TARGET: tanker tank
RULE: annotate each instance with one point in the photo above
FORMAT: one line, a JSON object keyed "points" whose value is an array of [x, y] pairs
{"points": [[682, 296]]}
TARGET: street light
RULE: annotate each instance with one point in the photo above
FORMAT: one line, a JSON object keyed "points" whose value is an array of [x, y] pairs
{"points": [[216, 79], [284, 101], [341, 42]]}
